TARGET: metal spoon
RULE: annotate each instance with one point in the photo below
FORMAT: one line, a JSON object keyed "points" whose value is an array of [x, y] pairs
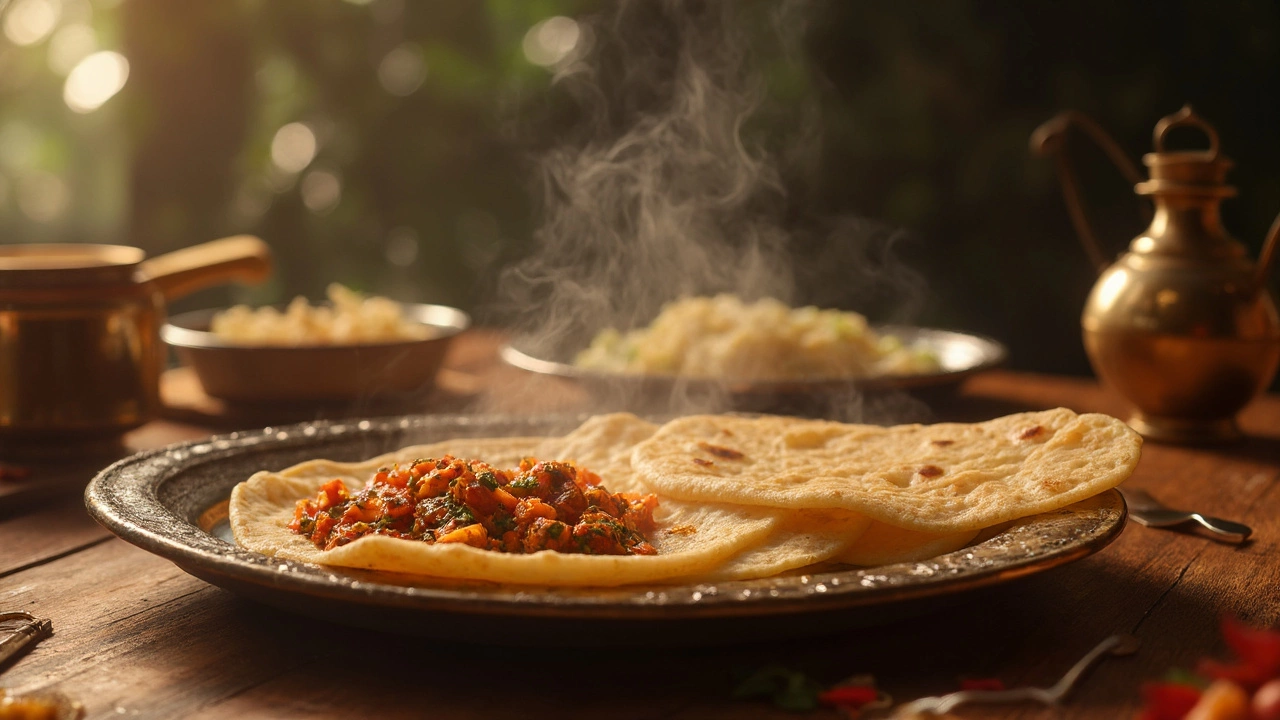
{"points": [[1114, 645], [1148, 511]]}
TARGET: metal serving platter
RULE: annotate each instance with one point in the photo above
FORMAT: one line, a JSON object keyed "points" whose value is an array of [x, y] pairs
{"points": [[959, 354], [172, 502]]}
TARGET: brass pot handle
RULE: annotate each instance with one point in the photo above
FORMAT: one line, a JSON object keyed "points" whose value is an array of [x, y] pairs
{"points": [[1186, 117], [1050, 139], [1267, 256], [181, 272]]}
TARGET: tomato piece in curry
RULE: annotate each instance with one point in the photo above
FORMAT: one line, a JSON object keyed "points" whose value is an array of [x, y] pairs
{"points": [[539, 506]]}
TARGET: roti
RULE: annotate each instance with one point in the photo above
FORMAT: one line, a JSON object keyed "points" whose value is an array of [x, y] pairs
{"points": [[740, 497], [944, 478], [803, 538], [689, 538], [605, 443], [884, 544]]}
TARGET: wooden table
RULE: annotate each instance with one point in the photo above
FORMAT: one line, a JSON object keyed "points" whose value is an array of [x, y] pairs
{"points": [[136, 637]]}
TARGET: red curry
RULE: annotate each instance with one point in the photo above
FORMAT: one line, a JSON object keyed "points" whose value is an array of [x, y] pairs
{"points": [[540, 506]]}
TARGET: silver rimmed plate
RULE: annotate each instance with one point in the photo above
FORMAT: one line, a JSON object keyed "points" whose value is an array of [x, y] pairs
{"points": [[959, 356], [172, 502]]}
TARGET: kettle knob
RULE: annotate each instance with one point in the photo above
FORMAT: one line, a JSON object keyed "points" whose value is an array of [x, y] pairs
{"points": [[1186, 117]]}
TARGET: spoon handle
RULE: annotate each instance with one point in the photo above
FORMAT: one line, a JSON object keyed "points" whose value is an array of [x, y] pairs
{"points": [[1228, 530], [1219, 528]]}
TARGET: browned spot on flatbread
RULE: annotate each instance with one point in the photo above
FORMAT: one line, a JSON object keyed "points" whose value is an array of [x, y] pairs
{"points": [[720, 452], [703, 463], [944, 443], [930, 471], [682, 530], [1032, 432]]}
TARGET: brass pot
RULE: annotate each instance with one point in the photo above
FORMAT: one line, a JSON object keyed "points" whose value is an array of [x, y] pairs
{"points": [[80, 353], [1182, 324]]}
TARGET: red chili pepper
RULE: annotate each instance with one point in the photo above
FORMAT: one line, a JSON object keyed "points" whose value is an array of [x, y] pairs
{"points": [[1168, 701], [995, 684], [848, 696], [1257, 652]]}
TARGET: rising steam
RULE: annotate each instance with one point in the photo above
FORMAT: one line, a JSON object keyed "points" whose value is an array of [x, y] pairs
{"points": [[662, 188], [648, 204]]}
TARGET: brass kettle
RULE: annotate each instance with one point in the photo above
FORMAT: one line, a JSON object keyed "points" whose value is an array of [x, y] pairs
{"points": [[1182, 325]]}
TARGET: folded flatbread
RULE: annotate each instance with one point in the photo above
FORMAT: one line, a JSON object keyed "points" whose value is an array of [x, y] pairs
{"points": [[944, 478]]}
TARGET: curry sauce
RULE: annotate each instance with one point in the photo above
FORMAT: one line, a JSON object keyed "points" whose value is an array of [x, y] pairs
{"points": [[539, 506]]}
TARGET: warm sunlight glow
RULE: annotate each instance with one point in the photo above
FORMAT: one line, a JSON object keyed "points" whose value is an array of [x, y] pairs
{"points": [[293, 147], [27, 22], [551, 41], [19, 145], [71, 44], [94, 80], [42, 196]]}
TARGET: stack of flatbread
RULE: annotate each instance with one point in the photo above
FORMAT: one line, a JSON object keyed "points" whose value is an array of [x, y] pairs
{"points": [[743, 497]]}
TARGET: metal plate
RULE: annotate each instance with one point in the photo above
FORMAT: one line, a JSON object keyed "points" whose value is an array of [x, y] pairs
{"points": [[960, 355], [172, 502]]}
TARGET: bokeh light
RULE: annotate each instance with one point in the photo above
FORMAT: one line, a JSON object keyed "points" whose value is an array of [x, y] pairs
{"points": [[252, 200], [69, 45], [402, 246], [77, 12], [294, 147], [402, 70], [95, 80], [27, 22], [321, 190], [551, 41]]}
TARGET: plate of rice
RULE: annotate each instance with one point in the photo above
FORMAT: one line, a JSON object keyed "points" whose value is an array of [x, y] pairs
{"points": [[760, 351]]}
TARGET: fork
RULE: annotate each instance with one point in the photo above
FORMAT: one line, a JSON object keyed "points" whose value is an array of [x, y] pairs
{"points": [[1148, 511], [1114, 645], [31, 630]]}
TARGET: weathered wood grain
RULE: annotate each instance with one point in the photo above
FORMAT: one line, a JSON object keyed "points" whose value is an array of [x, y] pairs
{"points": [[54, 529]]}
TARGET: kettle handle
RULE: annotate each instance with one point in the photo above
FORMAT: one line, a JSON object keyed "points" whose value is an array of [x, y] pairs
{"points": [[1050, 139], [181, 272], [1267, 256]]}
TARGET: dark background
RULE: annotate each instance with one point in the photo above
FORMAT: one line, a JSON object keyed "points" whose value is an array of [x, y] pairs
{"points": [[925, 109]]}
